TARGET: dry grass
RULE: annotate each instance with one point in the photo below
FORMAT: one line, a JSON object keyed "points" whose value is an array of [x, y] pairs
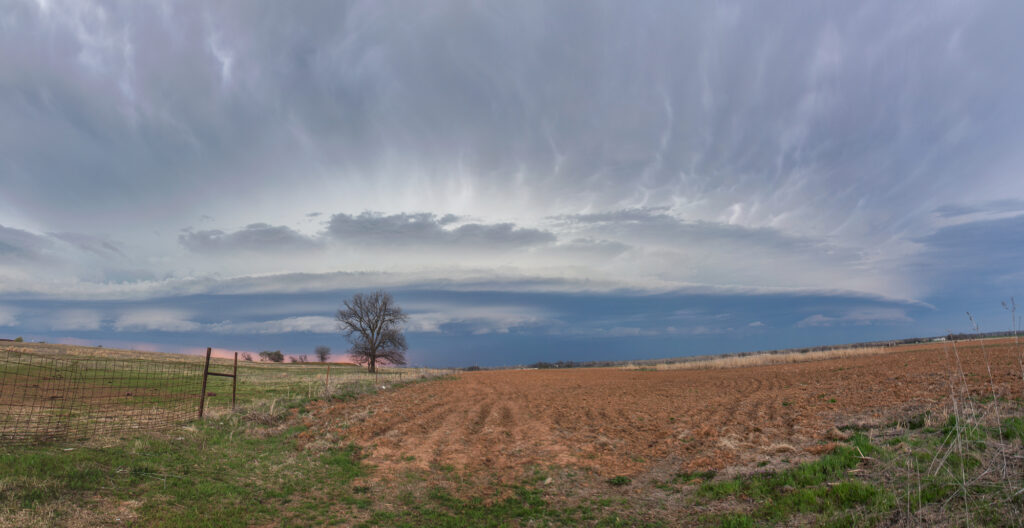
{"points": [[756, 360]]}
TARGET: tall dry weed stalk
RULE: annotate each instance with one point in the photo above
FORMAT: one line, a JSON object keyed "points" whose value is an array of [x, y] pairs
{"points": [[969, 420], [992, 387], [1015, 325]]}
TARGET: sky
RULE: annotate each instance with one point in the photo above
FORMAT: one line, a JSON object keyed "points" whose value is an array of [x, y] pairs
{"points": [[532, 181]]}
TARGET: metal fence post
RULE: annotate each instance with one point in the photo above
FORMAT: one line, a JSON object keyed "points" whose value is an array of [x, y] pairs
{"points": [[234, 382], [206, 371]]}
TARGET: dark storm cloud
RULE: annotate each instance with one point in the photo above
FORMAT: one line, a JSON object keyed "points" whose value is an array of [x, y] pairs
{"points": [[397, 232], [973, 254], [485, 327], [253, 237], [424, 230]]}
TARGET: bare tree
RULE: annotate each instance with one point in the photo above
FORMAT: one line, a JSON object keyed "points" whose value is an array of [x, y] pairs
{"points": [[372, 324], [322, 353], [303, 358], [246, 356]]}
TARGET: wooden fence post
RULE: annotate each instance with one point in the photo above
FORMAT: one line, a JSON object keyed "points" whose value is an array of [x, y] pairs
{"points": [[206, 371]]}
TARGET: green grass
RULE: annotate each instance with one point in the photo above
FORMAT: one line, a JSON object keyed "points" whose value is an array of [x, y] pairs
{"points": [[920, 469], [823, 487], [1013, 428], [524, 505], [215, 475]]}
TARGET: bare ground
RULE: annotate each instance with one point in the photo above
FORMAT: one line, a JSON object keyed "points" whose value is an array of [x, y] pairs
{"points": [[622, 422]]}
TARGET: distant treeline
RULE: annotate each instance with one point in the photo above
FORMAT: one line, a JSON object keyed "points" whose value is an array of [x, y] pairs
{"points": [[686, 359], [985, 335]]}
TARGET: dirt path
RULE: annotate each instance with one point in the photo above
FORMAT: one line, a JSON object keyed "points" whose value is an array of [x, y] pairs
{"points": [[624, 422]]}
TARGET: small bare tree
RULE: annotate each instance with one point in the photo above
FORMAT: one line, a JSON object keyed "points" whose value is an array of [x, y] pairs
{"points": [[372, 323], [274, 356], [246, 356], [322, 353]]}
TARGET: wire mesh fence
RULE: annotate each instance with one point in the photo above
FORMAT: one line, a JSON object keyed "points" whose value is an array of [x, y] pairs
{"points": [[45, 398]]}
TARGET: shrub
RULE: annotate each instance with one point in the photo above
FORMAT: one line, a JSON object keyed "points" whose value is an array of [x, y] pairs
{"points": [[273, 356]]}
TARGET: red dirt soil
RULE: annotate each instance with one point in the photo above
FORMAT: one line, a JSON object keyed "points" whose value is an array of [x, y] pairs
{"points": [[621, 422]]}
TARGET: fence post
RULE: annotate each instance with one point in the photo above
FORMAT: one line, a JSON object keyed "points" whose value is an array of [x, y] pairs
{"points": [[328, 390], [206, 371], [234, 383]]}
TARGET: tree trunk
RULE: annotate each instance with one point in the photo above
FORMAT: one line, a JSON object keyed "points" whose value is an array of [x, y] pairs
{"points": [[373, 365]]}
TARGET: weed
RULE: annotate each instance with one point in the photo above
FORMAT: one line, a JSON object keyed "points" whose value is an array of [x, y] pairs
{"points": [[821, 487], [619, 481], [1013, 428]]}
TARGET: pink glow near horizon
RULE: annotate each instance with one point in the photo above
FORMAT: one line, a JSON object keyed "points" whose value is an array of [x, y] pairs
{"points": [[222, 353]]}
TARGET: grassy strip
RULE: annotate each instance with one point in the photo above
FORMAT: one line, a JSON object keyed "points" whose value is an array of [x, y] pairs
{"points": [[214, 474], [526, 506], [822, 487], [921, 474]]}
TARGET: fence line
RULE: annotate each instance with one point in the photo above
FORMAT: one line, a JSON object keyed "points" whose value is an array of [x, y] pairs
{"points": [[46, 398]]}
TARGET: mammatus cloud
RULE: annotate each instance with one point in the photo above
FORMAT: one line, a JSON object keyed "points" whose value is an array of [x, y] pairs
{"points": [[750, 114]]}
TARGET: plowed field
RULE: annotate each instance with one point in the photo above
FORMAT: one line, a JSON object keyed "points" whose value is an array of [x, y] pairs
{"points": [[625, 422]]}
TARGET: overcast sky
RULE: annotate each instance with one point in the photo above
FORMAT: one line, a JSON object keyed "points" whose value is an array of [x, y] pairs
{"points": [[533, 180]]}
